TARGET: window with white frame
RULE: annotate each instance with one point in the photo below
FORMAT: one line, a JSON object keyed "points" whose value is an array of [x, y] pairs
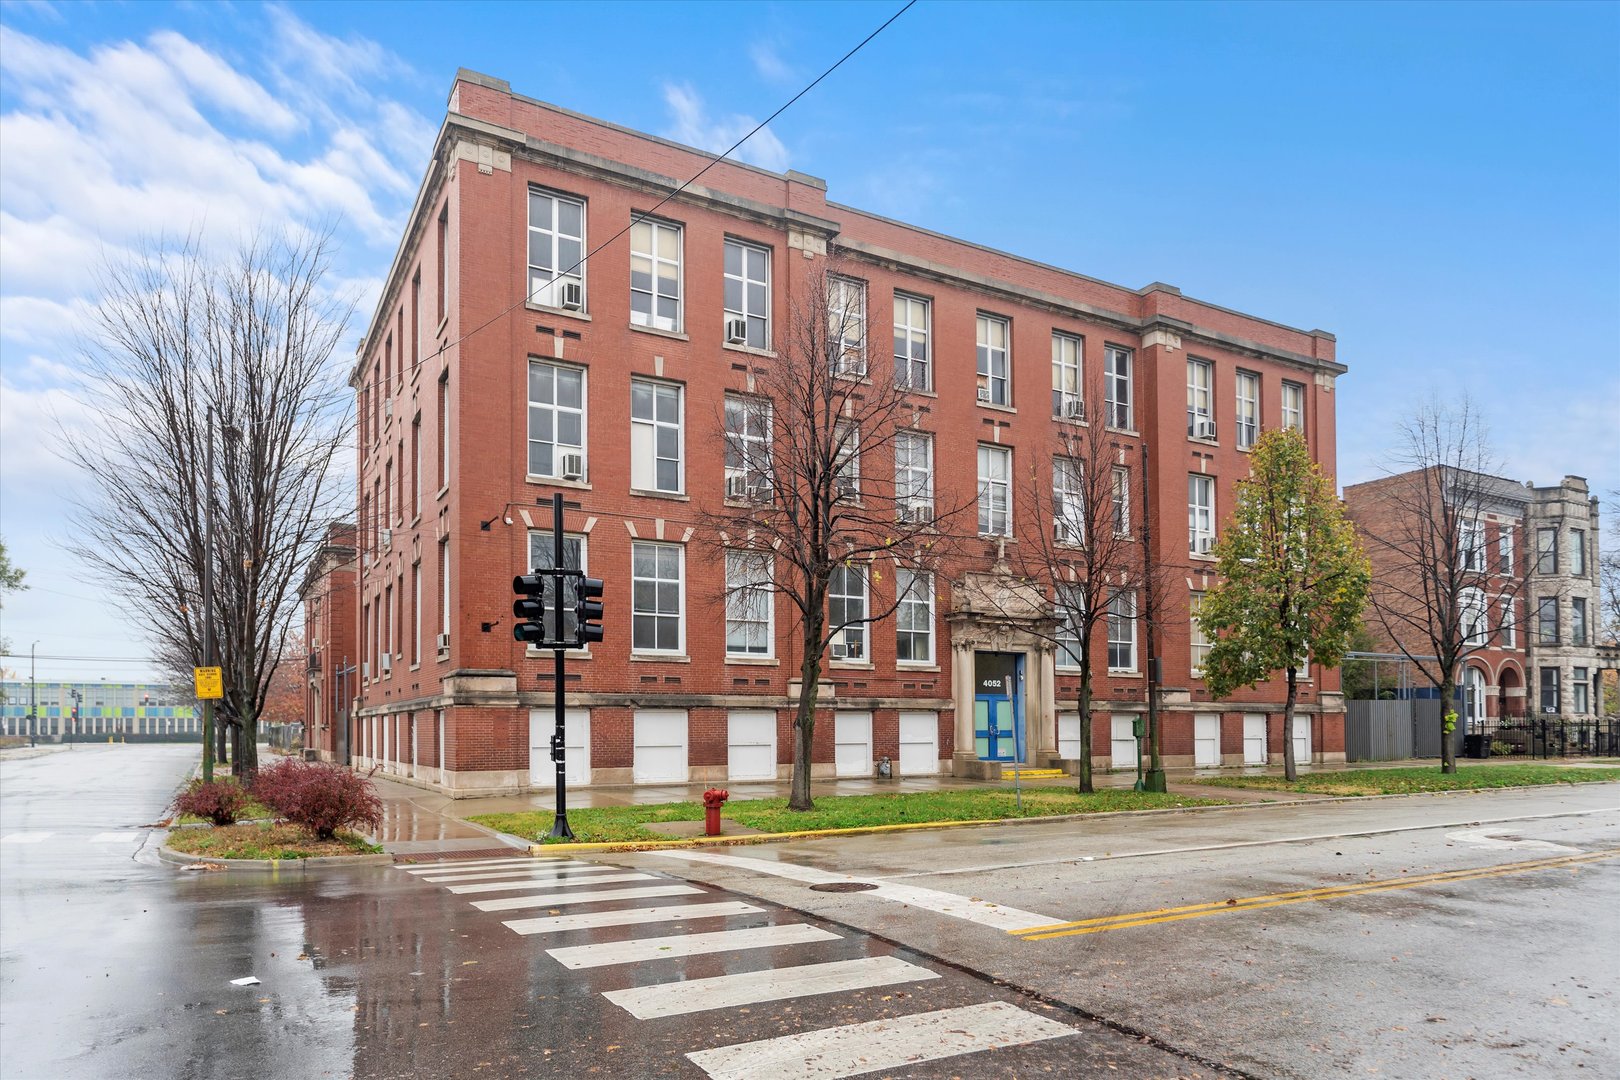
{"points": [[556, 250], [556, 419], [1577, 552], [748, 448], [847, 462], [1510, 623], [995, 490], [748, 604], [1122, 631], [748, 294], [1200, 514], [1068, 394], [1577, 690], [655, 436], [846, 325], [1117, 387], [543, 556], [1471, 605], [655, 597], [1071, 620], [1504, 549], [914, 618], [1550, 701], [995, 374], [913, 476], [1122, 500], [1200, 641], [416, 612], [1293, 406], [1546, 551], [847, 612], [1247, 409], [912, 368], [1200, 404], [444, 592], [1068, 501], [655, 275], [1547, 620], [1577, 620], [1471, 544]]}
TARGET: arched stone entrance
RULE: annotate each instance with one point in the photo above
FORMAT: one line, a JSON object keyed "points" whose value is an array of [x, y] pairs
{"points": [[1509, 693], [1002, 671]]}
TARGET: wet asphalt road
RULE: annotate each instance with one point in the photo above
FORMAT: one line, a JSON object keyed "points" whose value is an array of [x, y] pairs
{"points": [[117, 965]]}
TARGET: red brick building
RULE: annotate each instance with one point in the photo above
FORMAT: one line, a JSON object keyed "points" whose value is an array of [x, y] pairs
{"points": [[329, 593], [486, 382]]}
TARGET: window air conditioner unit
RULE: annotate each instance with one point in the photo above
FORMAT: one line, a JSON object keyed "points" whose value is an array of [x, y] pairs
{"points": [[759, 491], [984, 393], [1205, 429], [385, 537], [1074, 409], [1205, 544], [443, 642], [846, 488], [914, 513], [572, 466], [385, 663], [737, 487], [840, 650], [573, 295], [736, 331]]}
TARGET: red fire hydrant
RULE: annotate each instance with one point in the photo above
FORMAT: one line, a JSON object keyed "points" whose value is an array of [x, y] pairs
{"points": [[713, 799]]}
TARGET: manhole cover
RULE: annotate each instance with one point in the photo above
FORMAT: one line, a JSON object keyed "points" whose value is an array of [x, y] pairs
{"points": [[843, 886]]}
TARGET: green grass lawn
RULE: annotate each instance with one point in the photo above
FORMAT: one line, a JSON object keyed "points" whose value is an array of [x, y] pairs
{"points": [[266, 841], [1411, 781], [612, 824]]}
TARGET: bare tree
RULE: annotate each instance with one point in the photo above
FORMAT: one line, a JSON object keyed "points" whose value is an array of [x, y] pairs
{"points": [[1427, 541], [249, 336], [816, 510]]}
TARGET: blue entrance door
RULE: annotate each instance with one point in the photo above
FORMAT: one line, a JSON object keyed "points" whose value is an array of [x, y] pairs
{"points": [[993, 735]]}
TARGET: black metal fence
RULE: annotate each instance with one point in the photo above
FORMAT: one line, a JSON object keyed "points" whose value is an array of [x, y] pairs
{"points": [[1545, 736]]}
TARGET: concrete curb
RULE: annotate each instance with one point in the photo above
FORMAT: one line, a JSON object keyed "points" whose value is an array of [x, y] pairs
{"points": [[299, 866], [536, 850]]}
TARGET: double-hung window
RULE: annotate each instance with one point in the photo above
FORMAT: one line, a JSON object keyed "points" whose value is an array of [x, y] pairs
{"points": [[995, 373], [846, 325], [655, 436], [1577, 690], [748, 295], [847, 612], [748, 448], [1546, 551], [914, 618], [1471, 541], [543, 556], [1200, 393], [556, 250], [911, 362], [1577, 552], [1068, 395], [1504, 549], [655, 597], [748, 603], [444, 594], [1117, 387], [1472, 605], [1200, 642], [655, 275], [1510, 622], [1200, 513], [1122, 631], [1248, 409], [1122, 500], [1550, 702], [1068, 501], [913, 476], [1070, 613], [995, 490], [1577, 620], [1293, 406], [556, 419], [846, 462], [1547, 620]]}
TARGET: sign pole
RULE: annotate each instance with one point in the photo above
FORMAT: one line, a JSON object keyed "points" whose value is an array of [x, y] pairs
{"points": [[208, 601], [559, 750]]}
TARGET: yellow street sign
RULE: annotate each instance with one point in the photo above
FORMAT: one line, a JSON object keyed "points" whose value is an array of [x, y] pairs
{"points": [[210, 682]]}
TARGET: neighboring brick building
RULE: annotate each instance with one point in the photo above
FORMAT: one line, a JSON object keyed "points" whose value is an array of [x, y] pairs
{"points": [[330, 624], [475, 405], [1531, 554]]}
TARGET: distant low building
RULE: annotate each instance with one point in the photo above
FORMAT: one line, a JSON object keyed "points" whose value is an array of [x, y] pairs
{"points": [[50, 709]]}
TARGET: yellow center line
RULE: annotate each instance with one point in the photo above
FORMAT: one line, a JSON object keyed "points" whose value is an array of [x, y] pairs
{"points": [[1195, 911]]}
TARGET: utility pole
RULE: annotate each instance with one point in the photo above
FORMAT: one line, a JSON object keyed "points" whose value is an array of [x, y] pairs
{"points": [[33, 697], [208, 599]]}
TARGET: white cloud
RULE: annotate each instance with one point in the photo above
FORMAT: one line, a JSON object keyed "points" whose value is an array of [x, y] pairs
{"points": [[212, 77], [769, 63], [691, 125]]}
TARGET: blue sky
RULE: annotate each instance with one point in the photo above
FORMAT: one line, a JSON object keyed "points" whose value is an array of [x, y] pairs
{"points": [[1438, 185]]}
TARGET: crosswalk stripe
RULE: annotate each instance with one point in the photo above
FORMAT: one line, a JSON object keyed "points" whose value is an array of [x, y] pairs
{"points": [[556, 924], [481, 864], [771, 984], [537, 883], [893, 1043], [636, 950], [519, 871], [516, 903], [115, 837], [25, 837]]}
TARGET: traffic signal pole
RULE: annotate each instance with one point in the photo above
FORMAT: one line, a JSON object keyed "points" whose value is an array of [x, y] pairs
{"points": [[559, 825]]}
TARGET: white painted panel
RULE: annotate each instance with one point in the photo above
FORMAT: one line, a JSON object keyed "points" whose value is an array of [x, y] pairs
{"points": [[772, 984], [660, 746], [1254, 739], [590, 920], [1125, 746], [919, 743], [900, 1042], [556, 899], [576, 747], [1207, 739], [750, 745], [640, 950], [1068, 736], [1302, 740], [852, 744]]}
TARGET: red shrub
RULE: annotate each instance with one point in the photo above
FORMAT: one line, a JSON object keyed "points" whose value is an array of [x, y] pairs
{"points": [[322, 798], [220, 801]]}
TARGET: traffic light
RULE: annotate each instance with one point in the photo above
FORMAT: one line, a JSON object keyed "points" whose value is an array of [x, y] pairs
{"points": [[587, 610], [529, 608]]}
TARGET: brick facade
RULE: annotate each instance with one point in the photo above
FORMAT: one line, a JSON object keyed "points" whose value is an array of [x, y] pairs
{"points": [[444, 481], [329, 593]]}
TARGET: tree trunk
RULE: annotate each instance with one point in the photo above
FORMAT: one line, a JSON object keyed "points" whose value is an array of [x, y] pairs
{"points": [[1290, 766], [1085, 786], [804, 721], [1448, 746]]}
